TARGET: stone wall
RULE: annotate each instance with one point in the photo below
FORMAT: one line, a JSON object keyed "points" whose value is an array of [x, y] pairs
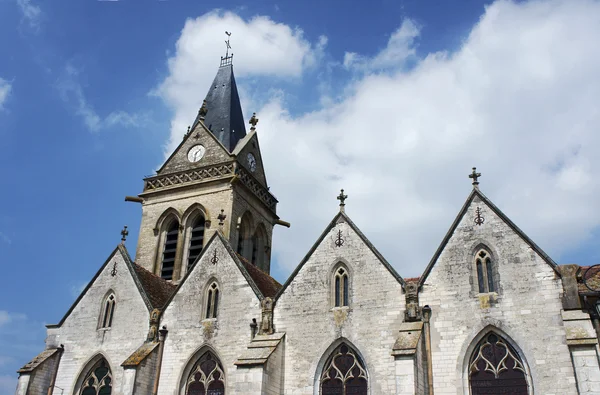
{"points": [[146, 373]]}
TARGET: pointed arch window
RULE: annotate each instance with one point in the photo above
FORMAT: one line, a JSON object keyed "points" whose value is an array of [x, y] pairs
{"points": [[212, 301], [98, 380], [170, 250], [495, 368], [344, 373], [207, 377], [108, 310], [341, 287], [485, 275], [254, 249], [196, 239]]}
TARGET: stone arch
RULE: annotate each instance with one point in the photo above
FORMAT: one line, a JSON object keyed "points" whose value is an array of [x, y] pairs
{"points": [[165, 217], [326, 357], [258, 254], [477, 335], [191, 364], [194, 222], [86, 368], [244, 228]]}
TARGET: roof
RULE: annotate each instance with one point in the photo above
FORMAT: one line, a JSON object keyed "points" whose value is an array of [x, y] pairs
{"points": [[477, 193], [157, 289], [224, 117], [140, 354], [267, 284], [39, 359]]}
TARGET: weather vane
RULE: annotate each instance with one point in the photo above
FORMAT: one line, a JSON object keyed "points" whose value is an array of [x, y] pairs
{"points": [[227, 59]]}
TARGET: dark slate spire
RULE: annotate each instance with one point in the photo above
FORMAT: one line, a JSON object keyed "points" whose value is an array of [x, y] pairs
{"points": [[224, 117]]}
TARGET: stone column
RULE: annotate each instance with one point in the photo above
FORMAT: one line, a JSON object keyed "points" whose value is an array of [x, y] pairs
{"points": [[583, 345]]}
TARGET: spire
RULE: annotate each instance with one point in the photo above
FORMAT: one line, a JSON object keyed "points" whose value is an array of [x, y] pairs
{"points": [[222, 110]]}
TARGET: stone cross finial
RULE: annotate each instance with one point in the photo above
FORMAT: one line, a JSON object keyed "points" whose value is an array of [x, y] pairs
{"points": [[474, 175], [221, 217], [124, 234], [253, 121], [203, 110], [342, 198]]}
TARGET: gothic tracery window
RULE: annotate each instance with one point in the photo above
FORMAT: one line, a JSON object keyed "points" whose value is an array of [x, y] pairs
{"points": [[207, 377], [108, 310], [212, 301], [344, 374], [341, 287], [98, 381], [196, 239], [170, 250], [495, 368], [485, 276]]}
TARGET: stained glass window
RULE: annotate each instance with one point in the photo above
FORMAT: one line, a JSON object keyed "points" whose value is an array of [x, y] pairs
{"points": [[98, 381], [344, 373], [207, 377]]}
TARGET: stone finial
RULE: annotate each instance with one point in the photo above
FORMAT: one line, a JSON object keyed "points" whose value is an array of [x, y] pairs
{"points": [[342, 198], [124, 234], [203, 110], [266, 323], [253, 121], [221, 217], [474, 175]]}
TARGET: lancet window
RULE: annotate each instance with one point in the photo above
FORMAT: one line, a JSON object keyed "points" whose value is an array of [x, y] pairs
{"points": [[98, 380], [485, 276], [170, 250], [344, 373], [341, 287], [196, 239], [108, 310], [212, 301], [495, 368], [206, 377]]}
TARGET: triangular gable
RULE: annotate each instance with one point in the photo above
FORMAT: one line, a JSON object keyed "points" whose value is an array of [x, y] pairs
{"points": [[129, 264], [340, 217], [476, 192], [232, 254], [241, 150]]}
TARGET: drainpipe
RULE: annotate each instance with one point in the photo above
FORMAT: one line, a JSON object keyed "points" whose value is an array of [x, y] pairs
{"points": [[61, 349], [162, 335], [426, 318]]}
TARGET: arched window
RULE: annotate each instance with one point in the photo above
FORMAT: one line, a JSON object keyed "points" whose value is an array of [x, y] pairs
{"points": [[244, 235], [108, 310], [341, 287], [170, 250], [485, 276], [206, 377], [344, 373], [98, 380], [495, 368], [196, 239], [212, 301]]}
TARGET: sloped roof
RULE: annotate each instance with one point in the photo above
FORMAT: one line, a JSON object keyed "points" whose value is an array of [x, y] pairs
{"points": [[157, 289], [39, 359], [477, 193], [267, 284]]}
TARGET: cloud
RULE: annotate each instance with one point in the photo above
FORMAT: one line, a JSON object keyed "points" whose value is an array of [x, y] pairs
{"points": [[518, 100], [5, 88], [31, 13], [261, 47], [7, 317], [72, 93]]}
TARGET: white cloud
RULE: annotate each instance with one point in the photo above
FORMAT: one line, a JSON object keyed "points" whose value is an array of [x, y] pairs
{"points": [[5, 88], [31, 13], [261, 47], [518, 100]]}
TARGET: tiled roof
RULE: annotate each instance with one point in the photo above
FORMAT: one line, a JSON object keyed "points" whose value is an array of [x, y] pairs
{"points": [[157, 289], [267, 285], [592, 278], [412, 279]]}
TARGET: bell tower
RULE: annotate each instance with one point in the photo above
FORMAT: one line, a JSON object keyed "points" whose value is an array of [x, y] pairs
{"points": [[213, 181]]}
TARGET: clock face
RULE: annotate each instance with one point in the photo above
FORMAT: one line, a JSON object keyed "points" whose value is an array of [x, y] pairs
{"points": [[196, 153], [252, 162]]}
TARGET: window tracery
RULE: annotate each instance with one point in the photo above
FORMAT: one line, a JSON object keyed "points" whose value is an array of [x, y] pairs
{"points": [[344, 374], [212, 301], [98, 381], [341, 287], [485, 276], [207, 377], [108, 311]]}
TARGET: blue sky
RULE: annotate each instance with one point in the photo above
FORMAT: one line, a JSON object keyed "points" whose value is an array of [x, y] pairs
{"points": [[393, 100]]}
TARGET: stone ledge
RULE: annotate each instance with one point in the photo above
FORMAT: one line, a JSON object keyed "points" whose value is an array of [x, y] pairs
{"points": [[408, 339]]}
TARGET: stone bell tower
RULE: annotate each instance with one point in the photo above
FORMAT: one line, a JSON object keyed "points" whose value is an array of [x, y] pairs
{"points": [[213, 181]]}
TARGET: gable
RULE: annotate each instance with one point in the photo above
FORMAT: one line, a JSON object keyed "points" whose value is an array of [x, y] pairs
{"points": [[214, 152], [249, 145], [464, 223]]}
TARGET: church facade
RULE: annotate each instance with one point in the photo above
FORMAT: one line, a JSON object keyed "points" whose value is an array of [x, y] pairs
{"points": [[197, 312]]}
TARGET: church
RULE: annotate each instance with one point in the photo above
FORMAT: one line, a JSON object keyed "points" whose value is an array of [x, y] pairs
{"points": [[197, 312]]}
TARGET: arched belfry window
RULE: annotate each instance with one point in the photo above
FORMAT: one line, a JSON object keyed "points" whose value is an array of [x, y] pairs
{"points": [[196, 239], [98, 381], [344, 373], [108, 310], [207, 377], [495, 368], [244, 240], [170, 250], [485, 275], [212, 301], [341, 284]]}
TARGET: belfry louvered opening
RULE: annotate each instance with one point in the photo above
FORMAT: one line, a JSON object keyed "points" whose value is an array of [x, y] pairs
{"points": [[196, 240], [170, 251]]}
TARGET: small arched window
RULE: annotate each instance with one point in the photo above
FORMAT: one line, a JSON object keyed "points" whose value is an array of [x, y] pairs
{"points": [[485, 276], [170, 250], [98, 380], [196, 239], [206, 377], [212, 301], [108, 310], [341, 287], [344, 373]]}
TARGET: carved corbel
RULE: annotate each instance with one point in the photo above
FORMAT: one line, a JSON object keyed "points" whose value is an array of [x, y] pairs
{"points": [[266, 324]]}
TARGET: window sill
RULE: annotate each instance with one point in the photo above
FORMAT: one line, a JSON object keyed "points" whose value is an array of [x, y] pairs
{"points": [[104, 329], [340, 308]]}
